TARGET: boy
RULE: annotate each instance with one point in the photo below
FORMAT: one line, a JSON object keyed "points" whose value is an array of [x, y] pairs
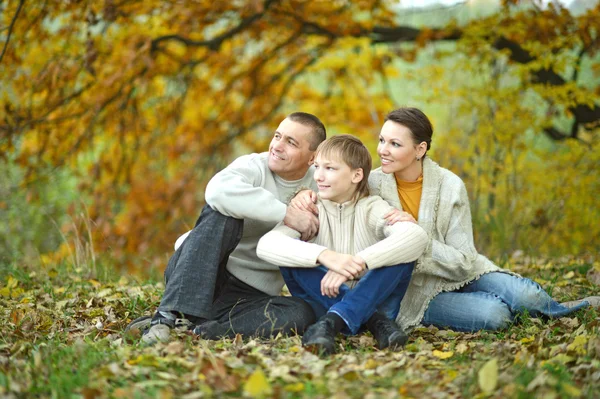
{"points": [[353, 237]]}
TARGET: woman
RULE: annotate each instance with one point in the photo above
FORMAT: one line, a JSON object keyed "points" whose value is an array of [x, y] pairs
{"points": [[452, 285]]}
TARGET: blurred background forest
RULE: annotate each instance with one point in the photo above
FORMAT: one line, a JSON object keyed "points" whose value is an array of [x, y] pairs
{"points": [[114, 114]]}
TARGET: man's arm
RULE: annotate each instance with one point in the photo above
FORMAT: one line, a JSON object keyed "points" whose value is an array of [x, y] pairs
{"points": [[236, 191]]}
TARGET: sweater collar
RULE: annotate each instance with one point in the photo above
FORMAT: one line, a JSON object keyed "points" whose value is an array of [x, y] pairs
{"points": [[428, 207], [338, 210]]}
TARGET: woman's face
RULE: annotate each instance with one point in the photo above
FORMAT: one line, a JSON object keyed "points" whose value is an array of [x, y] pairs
{"points": [[397, 149]]}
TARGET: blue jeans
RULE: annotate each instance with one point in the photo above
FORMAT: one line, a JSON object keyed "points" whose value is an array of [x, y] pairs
{"points": [[380, 289], [491, 303]]}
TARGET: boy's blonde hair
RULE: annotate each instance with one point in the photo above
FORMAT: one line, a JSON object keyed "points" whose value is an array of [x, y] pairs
{"points": [[350, 150]]}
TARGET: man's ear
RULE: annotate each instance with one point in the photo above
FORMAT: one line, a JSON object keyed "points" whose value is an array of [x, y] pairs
{"points": [[312, 159], [357, 175]]}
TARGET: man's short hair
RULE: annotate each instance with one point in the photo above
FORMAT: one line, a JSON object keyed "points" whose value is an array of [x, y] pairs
{"points": [[350, 150], [319, 134]]}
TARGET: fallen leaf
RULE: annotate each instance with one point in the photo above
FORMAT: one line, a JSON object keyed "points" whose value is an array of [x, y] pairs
{"points": [[461, 348], [442, 355], [488, 376], [257, 385], [578, 345]]}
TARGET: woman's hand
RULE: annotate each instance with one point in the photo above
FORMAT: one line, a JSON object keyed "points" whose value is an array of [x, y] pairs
{"points": [[305, 200], [331, 283], [396, 215]]}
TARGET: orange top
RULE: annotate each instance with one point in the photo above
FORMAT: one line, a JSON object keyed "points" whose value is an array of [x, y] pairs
{"points": [[409, 193]]}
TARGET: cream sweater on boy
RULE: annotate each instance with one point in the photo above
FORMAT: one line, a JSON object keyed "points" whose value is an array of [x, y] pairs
{"points": [[355, 228]]}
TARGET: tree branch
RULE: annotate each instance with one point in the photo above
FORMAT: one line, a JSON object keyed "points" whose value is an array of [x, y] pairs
{"points": [[10, 28], [215, 43]]}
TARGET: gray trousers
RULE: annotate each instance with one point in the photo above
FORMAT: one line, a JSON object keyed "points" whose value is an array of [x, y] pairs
{"points": [[198, 284]]}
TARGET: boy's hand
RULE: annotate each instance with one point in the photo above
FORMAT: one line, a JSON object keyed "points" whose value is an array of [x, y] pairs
{"points": [[305, 200], [396, 215], [331, 283], [303, 222], [347, 265]]}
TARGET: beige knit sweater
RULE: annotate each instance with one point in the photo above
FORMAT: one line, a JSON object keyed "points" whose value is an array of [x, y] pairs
{"points": [[355, 228], [450, 259]]}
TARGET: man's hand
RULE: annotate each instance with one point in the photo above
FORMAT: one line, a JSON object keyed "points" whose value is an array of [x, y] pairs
{"points": [[303, 222], [347, 265], [305, 200], [331, 283], [396, 215]]}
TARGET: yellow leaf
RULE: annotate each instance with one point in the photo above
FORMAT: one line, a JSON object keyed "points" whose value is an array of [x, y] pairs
{"points": [[561, 359], [571, 390], [569, 275], [257, 385], [297, 387], [12, 282], [488, 376], [371, 364], [578, 345], [527, 340], [443, 355]]}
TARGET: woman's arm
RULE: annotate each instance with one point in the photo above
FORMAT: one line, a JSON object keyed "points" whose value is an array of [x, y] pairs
{"points": [[452, 258]]}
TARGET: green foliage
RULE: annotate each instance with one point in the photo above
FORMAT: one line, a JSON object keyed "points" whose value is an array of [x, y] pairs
{"points": [[32, 214]]}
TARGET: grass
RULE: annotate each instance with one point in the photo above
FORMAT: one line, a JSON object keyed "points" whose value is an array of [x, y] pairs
{"points": [[61, 336]]}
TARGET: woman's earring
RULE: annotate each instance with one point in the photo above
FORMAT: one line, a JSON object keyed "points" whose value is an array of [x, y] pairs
{"points": [[418, 159]]}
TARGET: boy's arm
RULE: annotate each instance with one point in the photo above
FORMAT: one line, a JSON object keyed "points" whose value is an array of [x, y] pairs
{"points": [[400, 243], [281, 246]]}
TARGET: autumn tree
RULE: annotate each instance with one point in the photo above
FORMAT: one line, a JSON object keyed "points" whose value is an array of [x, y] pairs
{"points": [[144, 101]]}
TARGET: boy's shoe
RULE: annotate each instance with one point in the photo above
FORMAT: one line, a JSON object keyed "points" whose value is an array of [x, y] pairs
{"points": [[387, 333], [594, 302], [320, 337]]}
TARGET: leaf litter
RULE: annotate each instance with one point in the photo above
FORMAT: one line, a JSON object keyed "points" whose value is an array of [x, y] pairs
{"points": [[68, 329]]}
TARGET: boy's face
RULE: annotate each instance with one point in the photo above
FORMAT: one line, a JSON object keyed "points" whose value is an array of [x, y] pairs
{"points": [[336, 180]]}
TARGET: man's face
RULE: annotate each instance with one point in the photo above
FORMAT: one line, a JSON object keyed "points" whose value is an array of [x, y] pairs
{"points": [[289, 151]]}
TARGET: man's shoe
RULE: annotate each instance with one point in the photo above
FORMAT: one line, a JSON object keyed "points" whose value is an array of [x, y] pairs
{"points": [[141, 323], [211, 330], [320, 337], [158, 327], [387, 333], [594, 302]]}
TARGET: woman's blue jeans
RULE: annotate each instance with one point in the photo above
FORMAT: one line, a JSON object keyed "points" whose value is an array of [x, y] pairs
{"points": [[379, 289], [491, 303]]}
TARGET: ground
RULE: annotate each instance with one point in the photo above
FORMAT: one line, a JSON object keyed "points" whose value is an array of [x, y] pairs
{"points": [[61, 335]]}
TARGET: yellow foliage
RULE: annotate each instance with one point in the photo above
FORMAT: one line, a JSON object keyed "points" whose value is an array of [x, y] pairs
{"points": [[144, 101]]}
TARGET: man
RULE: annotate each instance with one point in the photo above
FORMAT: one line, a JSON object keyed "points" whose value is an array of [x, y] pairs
{"points": [[214, 280]]}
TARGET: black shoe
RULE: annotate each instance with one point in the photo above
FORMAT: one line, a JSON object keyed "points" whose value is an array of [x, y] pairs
{"points": [[211, 330], [387, 333], [320, 337]]}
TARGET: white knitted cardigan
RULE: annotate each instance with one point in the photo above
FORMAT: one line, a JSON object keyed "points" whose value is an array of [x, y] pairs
{"points": [[450, 260]]}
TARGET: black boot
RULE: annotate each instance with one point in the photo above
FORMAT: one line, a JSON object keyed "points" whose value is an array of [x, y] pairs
{"points": [[320, 337], [387, 333]]}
